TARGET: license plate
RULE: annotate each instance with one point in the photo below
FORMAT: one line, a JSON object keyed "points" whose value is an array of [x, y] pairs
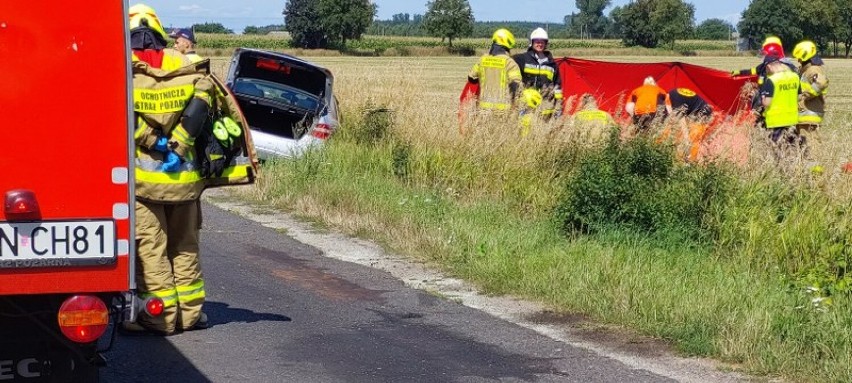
{"points": [[51, 244]]}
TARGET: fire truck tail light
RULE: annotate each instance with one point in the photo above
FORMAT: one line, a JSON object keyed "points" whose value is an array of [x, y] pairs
{"points": [[83, 318], [154, 306], [21, 205]]}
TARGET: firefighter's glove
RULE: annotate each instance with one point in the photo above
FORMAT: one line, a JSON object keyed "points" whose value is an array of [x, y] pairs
{"points": [[171, 162], [161, 145], [213, 162]]}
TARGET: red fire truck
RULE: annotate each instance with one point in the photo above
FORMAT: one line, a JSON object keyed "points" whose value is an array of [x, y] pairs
{"points": [[66, 223]]}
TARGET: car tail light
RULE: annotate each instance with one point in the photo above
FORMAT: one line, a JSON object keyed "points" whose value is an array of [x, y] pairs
{"points": [[322, 131], [154, 306], [21, 205], [83, 318]]}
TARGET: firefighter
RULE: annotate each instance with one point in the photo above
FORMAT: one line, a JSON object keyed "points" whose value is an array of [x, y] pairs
{"points": [[814, 84], [648, 104], [185, 43], [593, 123], [498, 76], [779, 97], [171, 102], [539, 72]]}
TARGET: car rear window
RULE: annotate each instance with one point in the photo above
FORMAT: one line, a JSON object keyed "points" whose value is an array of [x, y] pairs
{"points": [[277, 92], [282, 72]]}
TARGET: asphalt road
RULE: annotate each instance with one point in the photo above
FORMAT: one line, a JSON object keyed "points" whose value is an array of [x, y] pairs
{"points": [[282, 312]]}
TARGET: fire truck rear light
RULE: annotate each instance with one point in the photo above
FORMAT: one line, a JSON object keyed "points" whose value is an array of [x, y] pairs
{"points": [[21, 205], [322, 131], [154, 306], [83, 318]]}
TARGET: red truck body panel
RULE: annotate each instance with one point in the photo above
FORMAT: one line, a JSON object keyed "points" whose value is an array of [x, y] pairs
{"points": [[65, 116]]}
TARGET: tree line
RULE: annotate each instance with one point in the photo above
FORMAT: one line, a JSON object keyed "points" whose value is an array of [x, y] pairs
{"points": [[647, 23]]}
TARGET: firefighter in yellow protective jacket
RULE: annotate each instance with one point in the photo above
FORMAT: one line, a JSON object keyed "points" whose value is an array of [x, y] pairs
{"points": [[497, 74], [814, 85], [172, 101], [593, 125]]}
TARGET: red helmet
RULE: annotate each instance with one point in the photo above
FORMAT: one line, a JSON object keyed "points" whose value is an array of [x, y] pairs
{"points": [[773, 49]]}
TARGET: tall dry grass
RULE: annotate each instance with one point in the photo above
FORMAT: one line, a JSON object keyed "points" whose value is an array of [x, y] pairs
{"points": [[765, 291]]}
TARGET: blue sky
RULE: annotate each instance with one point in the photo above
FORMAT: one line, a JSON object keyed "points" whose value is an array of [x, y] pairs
{"points": [[237, 15]]}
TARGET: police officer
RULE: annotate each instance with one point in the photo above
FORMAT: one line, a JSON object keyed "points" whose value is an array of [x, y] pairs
{"points": [[771, 47], [539, 72], [185, 43], [779, 97], [498, 76], [168, 185]]}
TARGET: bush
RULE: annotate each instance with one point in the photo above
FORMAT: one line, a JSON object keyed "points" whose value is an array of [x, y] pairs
{"points": [[372, 127], [639, 185]]}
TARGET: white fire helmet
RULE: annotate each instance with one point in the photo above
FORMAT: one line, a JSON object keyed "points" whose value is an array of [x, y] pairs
{"points": [[538, 34]]}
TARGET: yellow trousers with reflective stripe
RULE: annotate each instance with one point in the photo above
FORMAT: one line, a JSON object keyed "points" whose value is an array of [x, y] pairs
{"points": [[167, 262]]}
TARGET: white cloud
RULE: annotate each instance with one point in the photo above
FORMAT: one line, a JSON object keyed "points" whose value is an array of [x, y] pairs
{"points": [[194, 8]]}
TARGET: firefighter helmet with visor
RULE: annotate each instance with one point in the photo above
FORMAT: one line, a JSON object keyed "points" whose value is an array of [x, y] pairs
{"points": [[805, 50], [143, 15], [772, 40], [504, 38], [772, 50]]}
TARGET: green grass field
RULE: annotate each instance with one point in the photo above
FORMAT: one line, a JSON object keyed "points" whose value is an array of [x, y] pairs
{"points": [[742, 264]]}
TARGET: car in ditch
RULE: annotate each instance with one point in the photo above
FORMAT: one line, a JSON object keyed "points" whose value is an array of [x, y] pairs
{"points": [[288, 102]]}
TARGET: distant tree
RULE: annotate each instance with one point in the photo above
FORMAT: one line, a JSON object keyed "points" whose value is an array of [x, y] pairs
{"points": [[300, 20], [650, 22], [615, 29], [819, 20], [448, 19], [672, 19], [345, 19], [844, 26], [401, 18], [714, 29], [254, 30], [590, 22], [770, 18], [634, 21], [418, 18], [211, 28]]}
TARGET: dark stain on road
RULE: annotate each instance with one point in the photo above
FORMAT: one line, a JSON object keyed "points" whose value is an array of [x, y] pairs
{"points": [[315, 279], [396, 349]]}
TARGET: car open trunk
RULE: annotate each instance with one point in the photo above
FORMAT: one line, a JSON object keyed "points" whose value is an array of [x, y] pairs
{"points": [[278, 94]]}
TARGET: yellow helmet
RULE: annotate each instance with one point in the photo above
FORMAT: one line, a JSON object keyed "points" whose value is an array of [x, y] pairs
{"points": [[772, 40], [532, 98], [504, 38], [805, 50], [140, 12]]}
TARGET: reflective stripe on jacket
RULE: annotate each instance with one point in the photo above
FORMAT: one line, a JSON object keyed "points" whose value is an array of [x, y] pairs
{"points": [[495, 73], [783, 110], [812, 100], [539, 73], [159, 98]]}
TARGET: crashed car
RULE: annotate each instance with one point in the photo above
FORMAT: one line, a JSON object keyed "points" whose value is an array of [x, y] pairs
{"points": [[288, 102]]}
